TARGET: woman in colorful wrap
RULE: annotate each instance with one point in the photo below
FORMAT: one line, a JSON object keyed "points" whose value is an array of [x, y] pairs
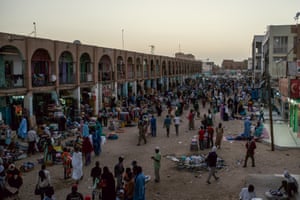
{"points": [[67, 163]]}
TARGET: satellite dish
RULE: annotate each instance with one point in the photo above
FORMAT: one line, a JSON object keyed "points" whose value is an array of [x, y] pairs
{"points": [[76, 42]]}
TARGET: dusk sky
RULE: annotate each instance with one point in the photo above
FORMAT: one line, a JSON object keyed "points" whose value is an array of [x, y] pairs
{"points": [[214, 29]]}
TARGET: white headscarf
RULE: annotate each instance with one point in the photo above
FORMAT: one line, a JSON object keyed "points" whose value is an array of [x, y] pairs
{"points": [[286, 174], [214, 149]]}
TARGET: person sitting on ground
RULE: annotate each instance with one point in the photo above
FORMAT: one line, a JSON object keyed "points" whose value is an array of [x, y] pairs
{"points": [[241, 109], [247, 131], [247, 193], [290, 184], [258, 130]]}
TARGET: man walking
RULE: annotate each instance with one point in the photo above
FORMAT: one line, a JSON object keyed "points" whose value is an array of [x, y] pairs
{"points": [[211, 161], [177, 123], [156, 158], [167, 124], [74, 194], [153, 126], [119, 170], [139, 184], [261, 113], [250, 146], [142, 131], [32, 138], [201, 138], [210, 138]]}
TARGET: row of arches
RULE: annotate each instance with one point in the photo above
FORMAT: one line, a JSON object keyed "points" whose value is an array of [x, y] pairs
{"points": [[67, 70]]}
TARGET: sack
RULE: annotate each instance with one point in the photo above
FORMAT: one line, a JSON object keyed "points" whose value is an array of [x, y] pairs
{"points": [[50, 190], [37, 190]]}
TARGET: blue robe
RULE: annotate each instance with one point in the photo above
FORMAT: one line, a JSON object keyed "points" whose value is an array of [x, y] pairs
{"points": [[85, 130], [22, 131], [247, 129], [97, 139], [139, 187], [97, 143]]}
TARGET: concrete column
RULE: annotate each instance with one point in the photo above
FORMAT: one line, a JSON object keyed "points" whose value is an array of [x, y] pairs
{"points": [[168, 83], [28, 103], [134, 87], [148, 83], [76, 95], [125, 89], [95, 93], [154, 83], [115, 94], [99, 95]]}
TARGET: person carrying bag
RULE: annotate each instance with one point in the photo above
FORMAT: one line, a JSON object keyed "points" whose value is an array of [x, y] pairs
{"points": [[43, 182]]}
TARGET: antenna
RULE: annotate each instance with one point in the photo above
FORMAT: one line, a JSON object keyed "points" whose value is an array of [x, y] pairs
{"points": [[34, 30], [297, 17], [152, 48], [122, 38], [179, 48]]}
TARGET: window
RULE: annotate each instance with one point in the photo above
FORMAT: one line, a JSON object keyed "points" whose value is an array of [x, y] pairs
{"points": [[258, 49], [280, 44]]}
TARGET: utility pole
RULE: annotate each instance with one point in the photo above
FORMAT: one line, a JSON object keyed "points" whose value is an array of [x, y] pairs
{"points": [[34, 26], [122, 38], [270, 110], [34, 30], [152, 49]]}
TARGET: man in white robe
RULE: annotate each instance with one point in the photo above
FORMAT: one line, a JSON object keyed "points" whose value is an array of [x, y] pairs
{"points": [[77, 164]]}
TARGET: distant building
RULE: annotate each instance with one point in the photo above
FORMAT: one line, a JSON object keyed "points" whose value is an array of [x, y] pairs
{"points": [[257, 57], [184, 56], [235, 65], [278, 52], [278, 48]]}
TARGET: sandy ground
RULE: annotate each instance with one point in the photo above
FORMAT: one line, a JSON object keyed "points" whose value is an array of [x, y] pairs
{"points": [[178, 184]]}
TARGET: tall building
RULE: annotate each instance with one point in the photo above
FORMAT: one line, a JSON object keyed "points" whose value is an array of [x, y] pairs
{"points": [[278, 46], [257, 58]]}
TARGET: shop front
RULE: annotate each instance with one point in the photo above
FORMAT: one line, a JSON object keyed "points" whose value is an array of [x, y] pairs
{"points": [[69, 103], [294, 105], [87, 101], [11, 110], [46, 107], [294, 115], [107, 94]]}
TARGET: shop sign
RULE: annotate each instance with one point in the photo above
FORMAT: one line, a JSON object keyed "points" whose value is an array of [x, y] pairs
{"points": [[293, 68], [295, 88]]}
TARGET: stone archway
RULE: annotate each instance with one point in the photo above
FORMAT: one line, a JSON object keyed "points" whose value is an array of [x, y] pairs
{"points": [[41, 68], [67, 71]]}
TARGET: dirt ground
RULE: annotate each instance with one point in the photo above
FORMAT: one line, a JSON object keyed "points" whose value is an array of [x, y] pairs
{"points": [[176, 184]]}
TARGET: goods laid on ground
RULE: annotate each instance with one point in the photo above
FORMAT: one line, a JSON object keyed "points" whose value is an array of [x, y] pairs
{"points": [[27, 166], [276, 195], [194, 162]]}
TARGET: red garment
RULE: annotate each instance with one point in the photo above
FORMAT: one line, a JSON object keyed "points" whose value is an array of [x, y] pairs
{"points": [[250, 145], [87, 146], [191, 116], [210, 131], [201, 134]]}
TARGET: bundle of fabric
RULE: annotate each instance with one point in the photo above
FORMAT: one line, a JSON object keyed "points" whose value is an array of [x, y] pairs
{"points": [[27, 166], [112, 136]]}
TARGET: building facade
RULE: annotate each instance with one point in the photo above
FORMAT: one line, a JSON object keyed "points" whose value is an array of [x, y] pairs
{"points": [[37, 72], [278, 47], [257, 58], [281, 48]]}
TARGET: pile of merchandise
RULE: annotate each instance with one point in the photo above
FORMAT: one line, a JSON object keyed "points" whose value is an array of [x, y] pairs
{"points": [[194, 162]]}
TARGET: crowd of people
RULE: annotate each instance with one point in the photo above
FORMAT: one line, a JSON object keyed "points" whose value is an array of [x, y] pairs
{"points": [[232, 100]]}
